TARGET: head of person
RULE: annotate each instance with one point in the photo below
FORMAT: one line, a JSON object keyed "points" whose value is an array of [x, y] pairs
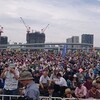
{"points": [[94, 88], [68, 93], [98, 84], [45, 73], [36, 73], [98, 78], [89, 79], [74, 76], [12, 66], [26, 77], [79, 84], [50, 90], [55, 71], [59, 76]]}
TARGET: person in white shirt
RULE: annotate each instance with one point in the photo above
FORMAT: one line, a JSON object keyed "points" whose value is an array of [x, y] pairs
{"points": [[44, 79], [44, 83], [11, 75], [62, 83]]}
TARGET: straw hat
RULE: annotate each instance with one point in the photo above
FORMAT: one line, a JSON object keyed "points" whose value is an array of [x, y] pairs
{"points": [[68, 90], [26, 75]]}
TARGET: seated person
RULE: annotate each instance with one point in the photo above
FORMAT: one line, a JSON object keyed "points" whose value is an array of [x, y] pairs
{"points": [[93, 92], [51, 92], [81, 90], [68, 93], [44, 83]]}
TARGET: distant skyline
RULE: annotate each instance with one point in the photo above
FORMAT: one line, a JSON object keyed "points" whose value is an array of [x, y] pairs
{"points": [[67, 18]]}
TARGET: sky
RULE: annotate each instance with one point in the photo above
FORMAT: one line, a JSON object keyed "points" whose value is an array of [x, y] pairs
{"points": [[66, 18]]}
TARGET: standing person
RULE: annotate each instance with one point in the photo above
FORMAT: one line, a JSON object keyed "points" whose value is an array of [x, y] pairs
{"points": [[31, 91], [11, 75]]}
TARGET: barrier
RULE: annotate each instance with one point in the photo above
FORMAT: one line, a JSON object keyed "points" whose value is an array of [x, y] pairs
{"points": [[45, 98], [10, 96], [41, 97]]}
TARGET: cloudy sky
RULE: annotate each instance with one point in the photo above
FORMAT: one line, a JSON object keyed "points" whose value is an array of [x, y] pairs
{"points": [[66, 18]]}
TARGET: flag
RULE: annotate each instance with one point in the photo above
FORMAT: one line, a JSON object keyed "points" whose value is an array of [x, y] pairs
{"points": [[64, 51]]}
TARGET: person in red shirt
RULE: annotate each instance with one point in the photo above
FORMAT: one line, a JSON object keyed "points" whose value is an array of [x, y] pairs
{"points": [[88, 83], [93, 92]]}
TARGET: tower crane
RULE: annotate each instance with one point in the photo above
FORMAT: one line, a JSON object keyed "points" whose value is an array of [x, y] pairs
{"points": [[1, 30], [44, 29], [27, 27]]}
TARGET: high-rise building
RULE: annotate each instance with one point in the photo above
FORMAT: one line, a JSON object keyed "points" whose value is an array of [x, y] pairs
{"points": [[69, 40], [73, 39], [87, 38], [3, 41], [35, 37]]}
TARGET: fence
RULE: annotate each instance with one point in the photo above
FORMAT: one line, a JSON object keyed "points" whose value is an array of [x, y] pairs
{"points": [[44, 98]]}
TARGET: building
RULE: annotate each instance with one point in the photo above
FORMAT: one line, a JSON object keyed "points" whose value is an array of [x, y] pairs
{"points": [[69, 40], [35, 37], [3, 41], [87, 38], [73, 39]]}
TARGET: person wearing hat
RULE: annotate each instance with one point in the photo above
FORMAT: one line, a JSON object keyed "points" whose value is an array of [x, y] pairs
{"points": [[11, 75], [68, 93], [31, 91]]}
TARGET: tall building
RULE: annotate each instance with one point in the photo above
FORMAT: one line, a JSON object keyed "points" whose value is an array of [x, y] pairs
{"points": [[69, 40], [87, 38], [35, 37], [3, 41], [73, 39]]}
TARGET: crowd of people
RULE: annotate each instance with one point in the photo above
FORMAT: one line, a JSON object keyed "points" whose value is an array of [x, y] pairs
{"points": [[77, 75]]}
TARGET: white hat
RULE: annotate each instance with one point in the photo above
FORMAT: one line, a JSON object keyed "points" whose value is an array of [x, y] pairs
{"points": [[68, 69], [74, 75], [11, 65]]}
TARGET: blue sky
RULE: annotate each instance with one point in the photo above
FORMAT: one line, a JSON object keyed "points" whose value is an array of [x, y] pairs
{"points": [[66, 18]]}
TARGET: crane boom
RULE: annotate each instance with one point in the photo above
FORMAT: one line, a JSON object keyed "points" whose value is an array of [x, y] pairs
{"points": [[44, 29], [27, 27], [23, 22], [1, 30]]}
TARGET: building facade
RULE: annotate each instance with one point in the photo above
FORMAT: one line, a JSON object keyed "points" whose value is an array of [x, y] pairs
{"points": [[73, 39], [87, 38], [35, 37], [3, 41]]}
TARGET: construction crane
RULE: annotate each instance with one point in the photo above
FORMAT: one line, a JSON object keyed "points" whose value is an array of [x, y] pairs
{"points": [[44, 29], [1, 30], [27, 27]]}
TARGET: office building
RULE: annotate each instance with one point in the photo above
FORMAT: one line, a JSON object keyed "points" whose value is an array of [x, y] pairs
{"points": [[3, 41], [73, 39], [87, 38], [69, 40]]}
